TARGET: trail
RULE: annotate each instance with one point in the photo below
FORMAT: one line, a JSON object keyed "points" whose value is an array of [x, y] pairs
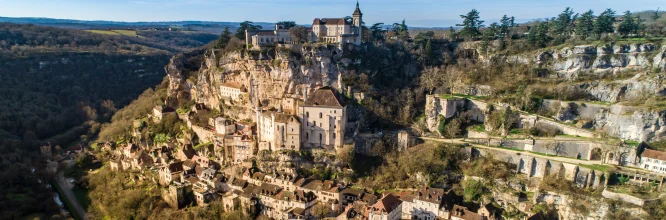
{"points": [[67, 193]]}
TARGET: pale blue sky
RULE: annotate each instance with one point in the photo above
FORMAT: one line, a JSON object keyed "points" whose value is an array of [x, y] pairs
{"points": [[423, 13]]}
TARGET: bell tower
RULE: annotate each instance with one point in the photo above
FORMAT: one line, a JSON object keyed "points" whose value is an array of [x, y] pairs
{"points": [[357, 20]]}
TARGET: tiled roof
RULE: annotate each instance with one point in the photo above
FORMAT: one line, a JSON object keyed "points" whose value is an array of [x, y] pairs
{"points": [[353, 191], [175, 167], [331, 21], [463, 213], [234, 85], [431, 195], [269, 189], [324, 97], [386, 205], [654, 154]]}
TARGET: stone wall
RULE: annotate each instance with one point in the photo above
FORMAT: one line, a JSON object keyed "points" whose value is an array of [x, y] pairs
{"points": [[624, 197], [539, 168]]}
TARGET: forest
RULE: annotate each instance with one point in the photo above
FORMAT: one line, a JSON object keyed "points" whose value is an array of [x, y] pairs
{"points": [[59, 86]]}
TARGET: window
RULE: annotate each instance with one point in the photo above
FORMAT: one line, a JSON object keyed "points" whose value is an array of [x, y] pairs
{"points": [[333, 135], [307, 114]]}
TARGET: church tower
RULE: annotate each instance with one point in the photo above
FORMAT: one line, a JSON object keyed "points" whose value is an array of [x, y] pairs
{"points": [[357, 20]]}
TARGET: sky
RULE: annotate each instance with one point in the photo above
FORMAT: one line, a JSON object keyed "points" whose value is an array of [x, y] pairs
{"points": [[418, 13]]}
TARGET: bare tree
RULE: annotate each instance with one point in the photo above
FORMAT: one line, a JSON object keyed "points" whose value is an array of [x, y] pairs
{"points": [[431, 79], [300, 33]]}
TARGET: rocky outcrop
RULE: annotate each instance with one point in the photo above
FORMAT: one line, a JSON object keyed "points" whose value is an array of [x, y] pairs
{"points": [[269, 77], [569, 62], [626, 122]]}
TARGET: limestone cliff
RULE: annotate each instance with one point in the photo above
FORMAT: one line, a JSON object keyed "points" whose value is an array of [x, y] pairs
{"points": [[287, 72]]}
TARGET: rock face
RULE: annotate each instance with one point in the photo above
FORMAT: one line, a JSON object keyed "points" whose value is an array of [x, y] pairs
{"points": [[626, 122], [269, 77], [570, 62]]}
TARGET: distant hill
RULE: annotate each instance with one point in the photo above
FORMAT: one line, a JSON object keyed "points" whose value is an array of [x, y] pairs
{"points": [[206, 26]]}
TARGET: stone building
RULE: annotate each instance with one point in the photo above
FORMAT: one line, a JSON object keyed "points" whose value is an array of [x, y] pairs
{"points": [[324, 30], [388, 207], [653, 160], [45, 150], [323, 118], [339, 30], [278, 131], [160, 112], [232, 90]]}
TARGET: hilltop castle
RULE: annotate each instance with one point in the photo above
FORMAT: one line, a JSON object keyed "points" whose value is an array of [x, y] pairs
{"points": [[323, 30]]}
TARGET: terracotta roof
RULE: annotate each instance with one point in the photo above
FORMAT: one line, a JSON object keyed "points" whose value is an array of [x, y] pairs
{"points": [[463, 213], [654, 154], [193, 179], [331, 21], [368, 198], [386, 205], [189, 163], [239, 182], [298, 195], [234, 85], [324, 97]]}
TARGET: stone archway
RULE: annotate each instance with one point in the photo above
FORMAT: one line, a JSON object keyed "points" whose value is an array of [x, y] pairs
{"points": [[610, 157], [596, 154]]}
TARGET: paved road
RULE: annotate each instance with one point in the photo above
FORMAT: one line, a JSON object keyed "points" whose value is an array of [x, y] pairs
{"points": [[66, 187], [553, 158]]}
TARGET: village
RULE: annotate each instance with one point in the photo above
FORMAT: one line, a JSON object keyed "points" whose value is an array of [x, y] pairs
{"points": [[250, 160]]}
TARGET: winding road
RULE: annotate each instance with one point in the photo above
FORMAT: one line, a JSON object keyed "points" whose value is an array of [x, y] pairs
{"points": [[67, 193]]}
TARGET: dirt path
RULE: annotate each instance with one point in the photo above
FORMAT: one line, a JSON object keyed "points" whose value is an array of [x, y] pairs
{"points": [[66, 188]]}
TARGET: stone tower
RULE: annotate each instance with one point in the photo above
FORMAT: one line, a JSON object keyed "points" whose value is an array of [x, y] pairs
{"points": [[357, 21]]}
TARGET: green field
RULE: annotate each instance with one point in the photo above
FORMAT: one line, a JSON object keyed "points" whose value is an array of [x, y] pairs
{"points": [[130, 33]]}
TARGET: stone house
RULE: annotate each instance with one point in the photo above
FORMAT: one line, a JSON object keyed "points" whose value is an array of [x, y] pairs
{"points": [[323, 118], [351, 195], [462, 213], [425, 203], [326, 191], [160, 112], [294, 204], [202, 196], [232, 90], [224, 126], [46, 150], [170, 173], [284, 180], [653, 160], [388, 207], [266, 194], [278, 131], [116, 163], [488, 211], [141, 160]]}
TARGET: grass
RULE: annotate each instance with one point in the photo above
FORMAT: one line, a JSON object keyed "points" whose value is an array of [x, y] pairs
{"points": [[82, 195], [130, 33], [599, 167], [632, 143]]}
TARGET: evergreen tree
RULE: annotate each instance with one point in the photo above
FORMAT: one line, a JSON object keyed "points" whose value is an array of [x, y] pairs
{"points": [[604, 23], [585, 24], [287, 24], [564, 22], [505, 24], [225, 37], [246, 25], [404, 31], [628, 25], [471, 24], [538, 35], [452, 34], [428, 51]]}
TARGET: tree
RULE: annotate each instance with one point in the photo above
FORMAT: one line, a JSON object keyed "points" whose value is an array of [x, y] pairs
{"points": [[300, 33], [431, 79], [377, 32], [628, 26], [563, 25], [287, 24], [225, 37], [604, 23], [505, 24], [538, 35], [489, 35], [401, 31], [452, 34], [246, 26], [585, 25], [471, 25]]}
